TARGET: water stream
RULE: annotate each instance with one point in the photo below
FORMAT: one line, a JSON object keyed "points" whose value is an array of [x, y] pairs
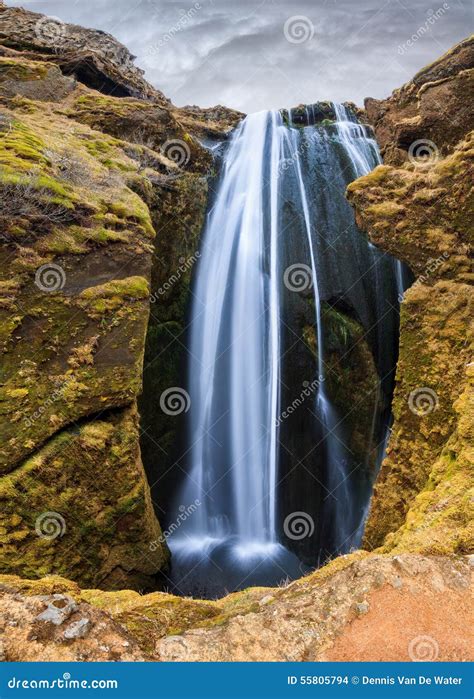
{"points": [[279, 218]]}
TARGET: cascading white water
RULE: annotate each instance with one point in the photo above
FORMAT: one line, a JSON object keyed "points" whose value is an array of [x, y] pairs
{"points": [[235, 357], [337, 484], [235, 352], [364, 155], [234, 344]]}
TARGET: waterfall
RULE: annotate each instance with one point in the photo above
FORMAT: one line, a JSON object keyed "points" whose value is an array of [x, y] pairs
{"points": [[234, 366], [269, 207], [234, 344], [364, 155]]}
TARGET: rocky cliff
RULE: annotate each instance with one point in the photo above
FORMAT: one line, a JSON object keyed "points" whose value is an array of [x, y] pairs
{"points": [[358, 608], [103, 191], [420, 209]]}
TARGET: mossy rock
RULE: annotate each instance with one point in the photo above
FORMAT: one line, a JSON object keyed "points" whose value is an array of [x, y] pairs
{"points": [[62, 513]]}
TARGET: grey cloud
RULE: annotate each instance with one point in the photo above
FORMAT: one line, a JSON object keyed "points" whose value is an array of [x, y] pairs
{"points": [[234, 52]]}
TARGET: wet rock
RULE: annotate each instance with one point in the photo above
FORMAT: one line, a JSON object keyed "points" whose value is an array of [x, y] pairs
{"points": [[78, 629], [59, 609]]}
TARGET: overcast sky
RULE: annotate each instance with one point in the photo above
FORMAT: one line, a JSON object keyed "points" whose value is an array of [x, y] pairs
{"points": [[266, 54]]}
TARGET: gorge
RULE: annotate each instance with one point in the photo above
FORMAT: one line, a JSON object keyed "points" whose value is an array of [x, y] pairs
{"points": [[309, 307]]}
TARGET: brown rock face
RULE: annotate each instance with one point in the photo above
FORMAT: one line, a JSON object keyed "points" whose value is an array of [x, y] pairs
{"points": [[421, 211], [87, 180], [359, 607], [436, 105], [94, 57], [214, 122], [55, 628]]}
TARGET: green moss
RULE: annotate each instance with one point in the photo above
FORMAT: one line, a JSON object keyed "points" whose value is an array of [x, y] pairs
{"points": [[377, 177], [440, 519], [135, 210], [21, 143], [108, 522], [386, 208], [130, 287], [17, 393], [98, 147], [14, 69]]}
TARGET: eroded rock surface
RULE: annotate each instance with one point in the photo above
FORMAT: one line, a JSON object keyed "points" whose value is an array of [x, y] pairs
{"points": [[102, 195], [360, 607], [92, 191], [421, 211], [435, 106]]}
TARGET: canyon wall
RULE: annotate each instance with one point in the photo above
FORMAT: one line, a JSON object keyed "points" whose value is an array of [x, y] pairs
{"points": [[418, 206], [103, 190]]}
